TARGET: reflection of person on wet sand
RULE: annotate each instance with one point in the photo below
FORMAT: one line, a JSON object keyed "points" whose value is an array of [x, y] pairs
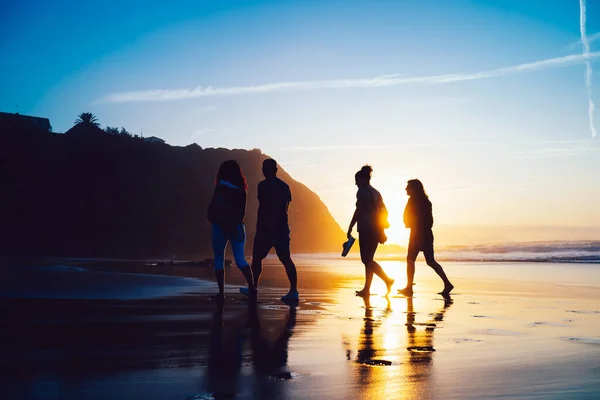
{"points": [[419, 351], [418, 216], [224, 358], [420, 343], [367, 351], [270, 358]]}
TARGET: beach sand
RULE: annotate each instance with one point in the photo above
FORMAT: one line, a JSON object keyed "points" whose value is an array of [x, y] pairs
{"points": [[103, 330]]}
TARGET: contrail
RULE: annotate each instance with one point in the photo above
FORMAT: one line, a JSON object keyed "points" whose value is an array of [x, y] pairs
{"points": [[381, 81], [588, 67]]}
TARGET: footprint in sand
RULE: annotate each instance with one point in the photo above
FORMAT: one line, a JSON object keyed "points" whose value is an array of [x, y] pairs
{"points": [[207, 396], [427, 324], [283, 376], [501, 332], [466, 340], [583, 340], [486, 317], [420, 349], [377, 363], [584, 311], [556, 324]]}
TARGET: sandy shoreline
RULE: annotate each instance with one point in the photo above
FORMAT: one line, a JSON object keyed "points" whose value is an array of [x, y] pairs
{"points": [[499, 338]]}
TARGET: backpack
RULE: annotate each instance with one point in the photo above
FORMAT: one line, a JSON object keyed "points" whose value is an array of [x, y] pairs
{"points": [[381, 217]]}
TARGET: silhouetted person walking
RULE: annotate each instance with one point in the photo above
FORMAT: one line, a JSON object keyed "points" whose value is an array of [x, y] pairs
{"points": [[418, 216], [226, 213], [272, 228], [371, 216]]}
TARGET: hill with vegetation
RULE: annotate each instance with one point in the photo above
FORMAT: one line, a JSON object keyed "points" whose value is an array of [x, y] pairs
{"points": [[93, 192]]}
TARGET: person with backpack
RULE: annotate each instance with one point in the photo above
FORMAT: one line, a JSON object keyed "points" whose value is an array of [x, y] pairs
{"points": [[418, 216], [371, 217], [226, 212]]}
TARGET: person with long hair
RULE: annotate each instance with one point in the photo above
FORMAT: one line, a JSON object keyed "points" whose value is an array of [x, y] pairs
{"points": [[226, 213], [369, 206], [418, 216]]}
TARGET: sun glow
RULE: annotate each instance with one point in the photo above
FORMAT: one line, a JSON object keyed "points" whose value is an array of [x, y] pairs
{"points": [[395, 200], [396, 233]]}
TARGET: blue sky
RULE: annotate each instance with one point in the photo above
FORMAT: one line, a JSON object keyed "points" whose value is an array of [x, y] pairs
{"points": [[474, 97]]}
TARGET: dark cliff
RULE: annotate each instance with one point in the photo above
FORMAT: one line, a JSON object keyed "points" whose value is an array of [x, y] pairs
{"points": [[88, 193]]}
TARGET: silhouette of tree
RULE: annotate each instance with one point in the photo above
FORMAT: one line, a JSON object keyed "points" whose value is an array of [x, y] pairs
{"points": [[87, 118], [124, 132], [112, 131]]}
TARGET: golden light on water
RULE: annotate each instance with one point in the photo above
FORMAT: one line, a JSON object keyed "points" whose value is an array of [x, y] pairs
{"points": [[392, 347], [394, 269]]}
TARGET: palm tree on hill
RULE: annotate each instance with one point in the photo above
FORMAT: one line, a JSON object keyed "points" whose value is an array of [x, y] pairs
{"points": [[88, 119]]}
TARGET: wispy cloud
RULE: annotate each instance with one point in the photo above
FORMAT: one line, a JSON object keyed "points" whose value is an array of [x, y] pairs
{"points": [[588, 67], [557, 152], [389, 146], [355, 147], [201, 132], [577, 45], [555, 148], [207, 108], [381, 81]]}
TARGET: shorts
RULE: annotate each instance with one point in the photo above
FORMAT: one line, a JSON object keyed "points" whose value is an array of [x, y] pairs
{"points": [[420, 242], [367, 242], [265, 241]]}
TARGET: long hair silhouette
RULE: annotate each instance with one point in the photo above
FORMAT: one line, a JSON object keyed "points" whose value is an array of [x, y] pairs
{"points": [[231, 172], [418, 188]]}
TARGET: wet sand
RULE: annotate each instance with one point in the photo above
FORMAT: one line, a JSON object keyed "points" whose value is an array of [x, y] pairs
{"points": [[158, 336]]}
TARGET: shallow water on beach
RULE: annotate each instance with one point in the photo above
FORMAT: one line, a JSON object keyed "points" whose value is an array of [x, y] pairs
{"points": [[499, 337]]}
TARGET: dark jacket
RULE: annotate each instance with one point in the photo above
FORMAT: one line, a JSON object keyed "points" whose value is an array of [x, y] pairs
{"points": [[418, 214], [227, 207]]}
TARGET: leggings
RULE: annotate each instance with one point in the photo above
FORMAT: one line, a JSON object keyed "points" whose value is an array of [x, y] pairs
{"points": [[238, 242]]}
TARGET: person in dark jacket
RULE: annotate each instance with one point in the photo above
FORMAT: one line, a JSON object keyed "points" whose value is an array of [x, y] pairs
{"points": [[369, 204], [418, 216], [226, 213]]}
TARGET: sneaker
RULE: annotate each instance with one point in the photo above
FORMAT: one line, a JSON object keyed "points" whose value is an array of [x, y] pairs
{"points": [[347, 246], [246, 292], [291, 297]]}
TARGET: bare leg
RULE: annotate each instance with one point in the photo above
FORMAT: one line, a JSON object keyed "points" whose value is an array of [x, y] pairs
{"points": [[290, 270], [366, 290], [368, 247], [410, 277], [377, 270], [410, 273], [440, 271], [291, 297]]}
